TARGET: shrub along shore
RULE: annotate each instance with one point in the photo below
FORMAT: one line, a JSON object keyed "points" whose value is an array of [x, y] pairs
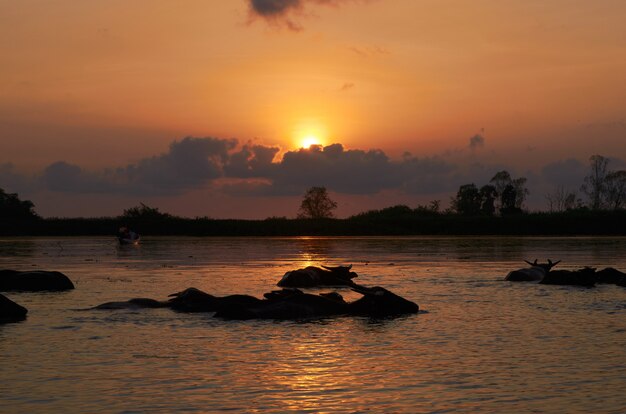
{"points": [[376, 223]]}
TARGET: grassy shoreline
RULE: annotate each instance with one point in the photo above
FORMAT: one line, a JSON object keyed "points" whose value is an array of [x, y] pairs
{"points": [[572, 223]]}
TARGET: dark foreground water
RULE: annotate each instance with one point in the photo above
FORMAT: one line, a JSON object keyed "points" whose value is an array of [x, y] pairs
{"points": [[480, 344]]}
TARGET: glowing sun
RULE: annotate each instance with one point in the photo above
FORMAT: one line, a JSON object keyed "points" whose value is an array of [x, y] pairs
{"points": [[309, 140]]}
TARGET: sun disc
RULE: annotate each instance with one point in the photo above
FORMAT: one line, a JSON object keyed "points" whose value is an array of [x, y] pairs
{"points": [[310, 140]]}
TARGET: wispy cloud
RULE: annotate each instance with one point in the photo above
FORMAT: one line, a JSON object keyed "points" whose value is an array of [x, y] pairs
{"points": [[346, 86], [368, 51], [477, 141], [281, 12]]}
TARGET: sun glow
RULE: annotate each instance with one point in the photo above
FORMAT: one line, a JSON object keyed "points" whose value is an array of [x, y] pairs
{"points": [[309, 140]]}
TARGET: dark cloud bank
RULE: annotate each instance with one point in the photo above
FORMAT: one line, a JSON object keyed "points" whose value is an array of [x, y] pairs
{"points": [[280, 11], [227, 166], [193, 163]]}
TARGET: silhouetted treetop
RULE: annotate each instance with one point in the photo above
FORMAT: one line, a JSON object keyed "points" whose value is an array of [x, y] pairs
{"points": [[317, 204], [143, 211], [11, 207]]}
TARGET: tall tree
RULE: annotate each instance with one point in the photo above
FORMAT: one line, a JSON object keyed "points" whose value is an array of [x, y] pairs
{"points": [[488, 196], [511, 192], [595, 182], [616, 189], [467, 200], [520, 191], [317, 204], [11, 207], [561, 199], [500, 180], [509, 200]]}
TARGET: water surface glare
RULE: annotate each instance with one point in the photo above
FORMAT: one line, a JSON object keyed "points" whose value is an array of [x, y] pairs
{"points": [[479, 345]]}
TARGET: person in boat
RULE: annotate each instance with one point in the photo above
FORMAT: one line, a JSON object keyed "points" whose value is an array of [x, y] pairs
{"points": [[127, 236]]}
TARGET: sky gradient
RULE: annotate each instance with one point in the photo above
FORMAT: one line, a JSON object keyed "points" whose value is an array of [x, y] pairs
{"points": [[201, 108]]}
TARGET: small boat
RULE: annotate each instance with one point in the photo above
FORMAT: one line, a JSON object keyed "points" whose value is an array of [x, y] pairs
{"points": [[127, 236]]}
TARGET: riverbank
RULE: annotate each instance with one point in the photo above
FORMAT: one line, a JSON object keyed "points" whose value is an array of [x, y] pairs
{"points": [[573, 223]]}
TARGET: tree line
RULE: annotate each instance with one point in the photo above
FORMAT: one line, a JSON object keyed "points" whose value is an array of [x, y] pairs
{"points": [[603, 188]]}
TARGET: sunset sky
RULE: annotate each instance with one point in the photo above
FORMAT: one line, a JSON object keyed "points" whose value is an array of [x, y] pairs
{"points": [[202, 107]]}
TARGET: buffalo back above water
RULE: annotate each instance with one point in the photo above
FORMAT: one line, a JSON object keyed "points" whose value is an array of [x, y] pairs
{"points": [[582, 277], [34, 281], [380, 302], [11, 311], [312, 276], [535, 273]]}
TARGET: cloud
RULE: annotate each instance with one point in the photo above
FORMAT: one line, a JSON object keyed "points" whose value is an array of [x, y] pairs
{"points": [[346, 86], [271, 8], [251, 161], [227, 167], [189, 163], [279, 12], [569, 172], [11, 180], [477, 141], [368, 51], [347, 171], [64, 177]]}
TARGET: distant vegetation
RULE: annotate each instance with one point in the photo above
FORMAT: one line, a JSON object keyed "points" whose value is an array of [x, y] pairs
{"points": [[495, 208], [12, 208]]}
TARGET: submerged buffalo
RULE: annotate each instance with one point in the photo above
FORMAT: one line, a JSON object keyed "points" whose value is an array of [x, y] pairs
{"points": [[535, 273], [313, 276], [582, 277], [190, 300], [294, 304], [34, 281], [586, 276], [285, 304], [136, 303], [611, 275], [11, 311], [195, 300]]}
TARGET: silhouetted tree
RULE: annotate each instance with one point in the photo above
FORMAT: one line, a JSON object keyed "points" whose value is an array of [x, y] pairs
{"points": [[467, 200], [616, 189], [143, 211], [509, 200], [11, 207], [515, 196], [488, 196], [562, 199], [431, 209], [317, 204], [595, 182], [520, 191]]}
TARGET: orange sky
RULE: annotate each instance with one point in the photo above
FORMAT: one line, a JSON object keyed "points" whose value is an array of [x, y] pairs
{"points": [[103, 84]]}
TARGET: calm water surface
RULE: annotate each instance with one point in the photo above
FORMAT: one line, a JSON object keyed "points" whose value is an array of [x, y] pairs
{"points": [[479, 345]]}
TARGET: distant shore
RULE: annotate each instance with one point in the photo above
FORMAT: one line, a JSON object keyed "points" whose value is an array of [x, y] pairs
{"points": [[571, 223]]}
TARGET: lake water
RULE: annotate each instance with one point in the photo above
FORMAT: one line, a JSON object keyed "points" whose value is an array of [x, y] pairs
{"points": [[480, 344]]}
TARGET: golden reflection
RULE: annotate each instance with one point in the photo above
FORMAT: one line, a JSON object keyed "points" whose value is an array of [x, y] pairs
{"points": [[315, 251], [312, 370]]}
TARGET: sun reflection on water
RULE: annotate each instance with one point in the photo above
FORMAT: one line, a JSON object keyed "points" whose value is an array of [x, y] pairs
{"points": [[312, 370]]}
